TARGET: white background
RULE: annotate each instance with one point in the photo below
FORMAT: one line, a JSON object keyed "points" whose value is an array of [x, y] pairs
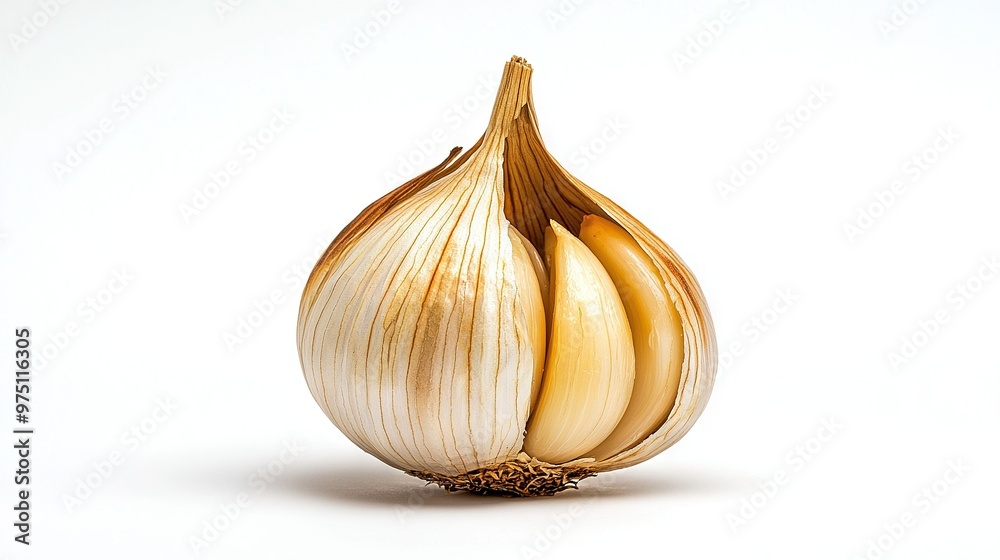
{"points": [[684, 124]]}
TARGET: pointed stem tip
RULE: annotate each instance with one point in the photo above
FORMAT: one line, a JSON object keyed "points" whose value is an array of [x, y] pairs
{"points": [[513, 94]]}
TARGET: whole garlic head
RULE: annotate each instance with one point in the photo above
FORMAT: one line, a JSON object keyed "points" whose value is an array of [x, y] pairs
{"points": [[495, 325]]}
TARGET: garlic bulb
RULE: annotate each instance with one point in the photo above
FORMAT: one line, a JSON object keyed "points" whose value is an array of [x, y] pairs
{"points": [[495, 325]]}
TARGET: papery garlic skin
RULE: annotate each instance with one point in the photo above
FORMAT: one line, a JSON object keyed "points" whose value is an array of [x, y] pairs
{"points": [[418, 346], [420, 333], [530, 272]]}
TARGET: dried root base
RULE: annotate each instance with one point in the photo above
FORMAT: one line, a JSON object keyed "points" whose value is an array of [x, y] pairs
{"points": [[524, 476]]}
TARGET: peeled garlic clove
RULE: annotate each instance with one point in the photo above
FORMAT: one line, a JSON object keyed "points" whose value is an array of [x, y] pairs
{"points": [[590, 365], [657, 335], [420, 334]]}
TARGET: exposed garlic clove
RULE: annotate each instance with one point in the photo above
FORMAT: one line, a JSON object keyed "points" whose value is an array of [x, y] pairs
{"points": [[527, 268], [590, 366], [657, 335], [548, 250]]}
